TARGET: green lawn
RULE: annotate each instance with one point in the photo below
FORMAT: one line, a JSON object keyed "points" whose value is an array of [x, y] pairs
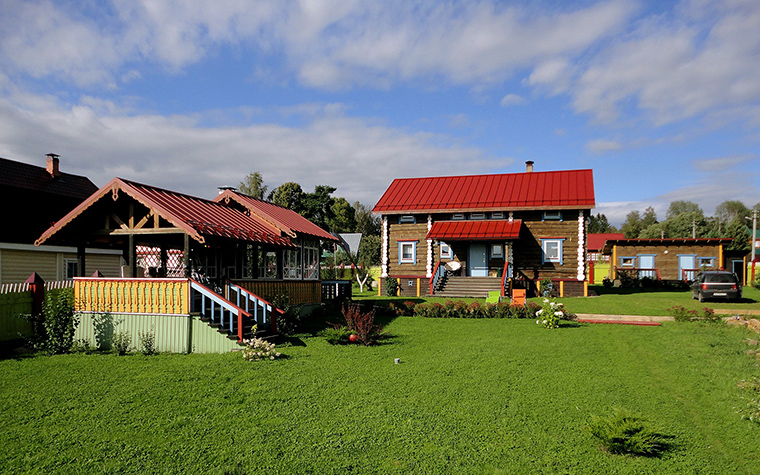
{"points": [[470, 396]]}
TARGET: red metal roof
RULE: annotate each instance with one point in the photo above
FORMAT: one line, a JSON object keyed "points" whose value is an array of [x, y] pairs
{"points": [[286, 220], [569, 189], [664, 242], [475, 230], [196, 216], [596, 241]]}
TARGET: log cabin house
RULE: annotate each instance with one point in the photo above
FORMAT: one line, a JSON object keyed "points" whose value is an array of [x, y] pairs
{"points": [[471, 235]]}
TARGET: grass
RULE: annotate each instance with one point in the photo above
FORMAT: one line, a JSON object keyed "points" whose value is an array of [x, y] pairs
{"points": [[470, 396], [614, 301]]}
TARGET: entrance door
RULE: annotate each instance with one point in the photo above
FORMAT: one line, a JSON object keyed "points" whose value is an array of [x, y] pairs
{"points": [[646, 261], [738, 268], [477, 260], [687, 262]]}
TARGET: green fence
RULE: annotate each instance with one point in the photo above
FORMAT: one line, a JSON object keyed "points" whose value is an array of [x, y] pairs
{"points": [[12, 304]]}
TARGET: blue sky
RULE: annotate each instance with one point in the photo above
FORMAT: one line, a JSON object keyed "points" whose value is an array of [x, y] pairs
{"points": [[660, 99]]}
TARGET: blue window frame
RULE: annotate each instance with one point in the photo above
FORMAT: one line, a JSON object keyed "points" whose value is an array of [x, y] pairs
{"points": [[627, 261], [407, 252], [554, 215], [706, 262], [407, 219], [551, 250], [446, 252]]}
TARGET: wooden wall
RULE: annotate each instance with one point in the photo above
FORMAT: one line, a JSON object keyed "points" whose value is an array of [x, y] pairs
{"points": [[667, 263], [16, 265]]}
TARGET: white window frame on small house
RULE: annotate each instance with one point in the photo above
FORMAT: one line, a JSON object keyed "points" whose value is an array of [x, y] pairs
{"points": [[547, 254], [446, 251], [407, 257], [551, 215], [407, 219]]}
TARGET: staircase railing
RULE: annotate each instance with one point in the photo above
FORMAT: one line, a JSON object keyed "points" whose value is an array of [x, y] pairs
{"points": [[505, 280], [439, 272], [263, 312], [218, 309]]}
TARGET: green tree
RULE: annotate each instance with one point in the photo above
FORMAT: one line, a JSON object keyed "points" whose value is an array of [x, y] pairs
{"points": [[741, 233], [596, 224], [649, 218], [369, 250], [318, 206], [727, 211], [366, 223], [632, 225], [655, 231], [253, 185], [343, 217], [681, 206], [290, 195]]}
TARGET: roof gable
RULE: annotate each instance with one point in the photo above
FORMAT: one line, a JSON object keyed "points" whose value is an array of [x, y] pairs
{"points": [[286, 220], [197, 217], [569, 189]]}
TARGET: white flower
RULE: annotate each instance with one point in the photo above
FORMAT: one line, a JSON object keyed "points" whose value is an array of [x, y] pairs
{"points": [[558, 314], [546, 300], [537, 322], [539, 312]]}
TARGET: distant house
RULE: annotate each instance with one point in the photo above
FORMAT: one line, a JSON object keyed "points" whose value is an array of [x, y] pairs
{"points": [[670, 259], [502, 231], [596, 245], [33, 199]]}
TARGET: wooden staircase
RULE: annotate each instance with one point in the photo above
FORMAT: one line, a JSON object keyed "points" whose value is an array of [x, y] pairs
{"points": [[460, 287]]}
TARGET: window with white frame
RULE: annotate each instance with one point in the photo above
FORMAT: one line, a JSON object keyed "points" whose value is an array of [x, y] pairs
{"points": [[457, 216], [446, 252], [72, 268], [553, 215], [292, 264], [407, 252], [407, 219], [627, 261], [268, 265], [497, 215], [497, 250], [311, 260], [706, 262], [477, 216], [552, 250]]}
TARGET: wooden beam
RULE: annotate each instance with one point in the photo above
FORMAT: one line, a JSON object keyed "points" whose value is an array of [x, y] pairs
{"points": [[118, 221], [144, 220], [131, 232]]}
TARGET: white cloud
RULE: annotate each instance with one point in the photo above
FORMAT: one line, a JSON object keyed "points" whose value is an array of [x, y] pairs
{"points": [[512, 100], [355, 155], [602, 146]]}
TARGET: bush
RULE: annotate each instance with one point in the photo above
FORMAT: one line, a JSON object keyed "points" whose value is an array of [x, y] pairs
{"points": [[53, 330], [337, 335], [607, 283], [148, 343], [363, 324], [681, 314], [391, 286], [121, 342], [624, 433], [547, 287], [257, 349], [289, 321], [550, 314]]}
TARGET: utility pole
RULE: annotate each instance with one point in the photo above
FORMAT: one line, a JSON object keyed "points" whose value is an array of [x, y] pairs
{"points": [[752, 245]]}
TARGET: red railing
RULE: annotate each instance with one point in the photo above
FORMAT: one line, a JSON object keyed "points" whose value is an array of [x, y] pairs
{"points": [[434, 278], [504, 277]]}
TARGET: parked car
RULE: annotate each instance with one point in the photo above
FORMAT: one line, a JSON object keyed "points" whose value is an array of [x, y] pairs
{"points": [[716, 284]]}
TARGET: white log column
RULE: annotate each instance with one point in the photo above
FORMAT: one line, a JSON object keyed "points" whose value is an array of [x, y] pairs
{"points": [[384, 250], [429, 266], [581, 247]]}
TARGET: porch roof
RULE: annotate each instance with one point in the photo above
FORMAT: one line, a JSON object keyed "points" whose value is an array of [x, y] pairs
{"points": [[566, 189], [484, 230], [286, 220], [196, 217]]}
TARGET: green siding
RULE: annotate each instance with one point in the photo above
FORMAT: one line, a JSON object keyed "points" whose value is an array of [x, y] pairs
{"points": [[11, 305], [173, 333]]}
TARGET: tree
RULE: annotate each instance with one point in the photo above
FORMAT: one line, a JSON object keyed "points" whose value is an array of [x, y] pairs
{"points": [[366, 223], [253, 185], [632, 225], [318, 206], [290, 195], [741, 233], [599, 224], [369, 250], [343, 217], [727, 211], [649, 218], [681, 206]]}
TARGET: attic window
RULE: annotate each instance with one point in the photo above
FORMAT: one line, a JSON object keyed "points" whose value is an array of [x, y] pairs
{"points": [[554, 215], [477, 216], [457, 216], [497, 215], [407, 219]]}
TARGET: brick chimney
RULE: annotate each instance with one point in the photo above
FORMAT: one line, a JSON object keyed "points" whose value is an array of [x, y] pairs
{"points": [[529, 166], [52, 165]]}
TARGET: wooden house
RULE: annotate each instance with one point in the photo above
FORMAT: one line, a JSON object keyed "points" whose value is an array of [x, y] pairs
{"points": [[598, 262], [492, 232], [224, 261], [33, 198], [668, 259]]}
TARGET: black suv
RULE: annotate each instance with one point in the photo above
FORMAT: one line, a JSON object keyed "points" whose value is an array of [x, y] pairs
{"points": [[716, 284]]}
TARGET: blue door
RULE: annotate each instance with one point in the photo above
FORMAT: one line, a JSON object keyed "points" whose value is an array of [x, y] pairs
{"points": [[477, 260], [646, 262], [687, 264]]}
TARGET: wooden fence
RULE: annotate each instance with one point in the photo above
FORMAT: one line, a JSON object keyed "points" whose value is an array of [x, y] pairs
{"points": [[144, 296], [297, 291]]}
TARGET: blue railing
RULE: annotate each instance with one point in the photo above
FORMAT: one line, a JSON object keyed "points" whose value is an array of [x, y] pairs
{"points": [[440, 271], [263, 313], [217, 309]]}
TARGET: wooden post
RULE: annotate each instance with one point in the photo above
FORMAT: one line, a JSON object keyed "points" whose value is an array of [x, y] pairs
{"points": [[132, 257], [418, 286], [81, 260], [186, 256], [561, 288], [37, 288], [591, 271], [380, 287]]}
